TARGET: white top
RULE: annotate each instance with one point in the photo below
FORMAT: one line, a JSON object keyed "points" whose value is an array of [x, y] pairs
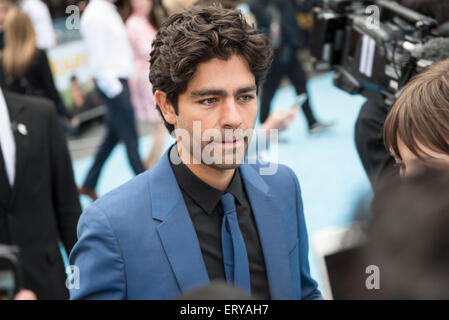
{"points": [[7, 143], [110, 53], [42, 23]]}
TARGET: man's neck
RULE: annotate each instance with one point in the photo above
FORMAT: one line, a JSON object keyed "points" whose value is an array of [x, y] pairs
{"points": [[217, 178]]}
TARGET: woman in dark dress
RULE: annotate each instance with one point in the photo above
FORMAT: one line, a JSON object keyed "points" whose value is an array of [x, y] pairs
{"points": [[24, 68]]}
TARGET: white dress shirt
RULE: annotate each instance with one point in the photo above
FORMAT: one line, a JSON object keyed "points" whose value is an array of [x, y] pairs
{"points": [[42, 23], [7, 142], [110, 53]]}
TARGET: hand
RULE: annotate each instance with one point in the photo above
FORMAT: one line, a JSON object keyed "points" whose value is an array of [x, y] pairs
{"points": [[280, 119], [25, 295], [75, 122]]}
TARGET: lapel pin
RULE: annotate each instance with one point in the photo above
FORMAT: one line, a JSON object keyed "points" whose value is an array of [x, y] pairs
{"points": [[22, 129]]}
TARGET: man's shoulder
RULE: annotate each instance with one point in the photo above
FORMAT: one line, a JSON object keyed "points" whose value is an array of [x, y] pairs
{"points": [[270, 171], [38, 106], [126, 202], [132, 190], [85, 15], [279, 178], [91, 14]]}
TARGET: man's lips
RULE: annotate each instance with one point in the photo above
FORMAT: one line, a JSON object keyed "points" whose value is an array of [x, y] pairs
{"points": [[234, 142], [229, 141]]}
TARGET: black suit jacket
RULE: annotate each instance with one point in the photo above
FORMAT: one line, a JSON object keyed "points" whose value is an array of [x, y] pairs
{"points": [[43, 205], [376, 160]]}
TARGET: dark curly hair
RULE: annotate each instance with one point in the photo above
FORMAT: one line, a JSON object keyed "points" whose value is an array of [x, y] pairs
{"points": [[197, 35]]}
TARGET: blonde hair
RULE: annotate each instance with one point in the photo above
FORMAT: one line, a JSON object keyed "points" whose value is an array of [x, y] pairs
{"points": [[20, 44]]}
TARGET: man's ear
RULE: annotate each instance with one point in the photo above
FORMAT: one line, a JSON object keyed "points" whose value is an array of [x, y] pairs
{"points": [[167, 109]]}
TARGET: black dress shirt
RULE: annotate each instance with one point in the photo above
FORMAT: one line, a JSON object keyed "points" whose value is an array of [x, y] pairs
{"points": [[206, 212]]}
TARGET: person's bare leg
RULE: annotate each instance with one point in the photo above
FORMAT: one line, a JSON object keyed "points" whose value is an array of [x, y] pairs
{"points": [[157, 147]]}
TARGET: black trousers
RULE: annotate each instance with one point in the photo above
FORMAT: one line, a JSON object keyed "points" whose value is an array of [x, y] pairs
{"points": [[376, 160], [285, 63], [121, 126]]}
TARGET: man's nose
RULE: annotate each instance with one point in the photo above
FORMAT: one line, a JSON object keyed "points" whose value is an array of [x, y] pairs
{"points": [[230, 116]]}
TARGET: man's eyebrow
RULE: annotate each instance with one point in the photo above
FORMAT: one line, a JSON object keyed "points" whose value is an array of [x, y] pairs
{"points": [[216, 92], [245, 90], [207, 92]]}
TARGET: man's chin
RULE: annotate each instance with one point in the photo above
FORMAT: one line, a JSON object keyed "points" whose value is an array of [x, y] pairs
{"points": [[227, 159]]}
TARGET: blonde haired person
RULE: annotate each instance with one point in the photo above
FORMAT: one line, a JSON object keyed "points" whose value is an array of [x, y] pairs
{"points": [[416, 130], [24, 68]]}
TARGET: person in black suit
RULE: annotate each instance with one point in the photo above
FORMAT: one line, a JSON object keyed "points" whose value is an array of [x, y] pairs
{"points": [[378, 163], [39, 202]]}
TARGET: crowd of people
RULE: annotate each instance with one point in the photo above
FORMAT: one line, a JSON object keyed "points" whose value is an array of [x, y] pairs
{"points": [[183, 222]]}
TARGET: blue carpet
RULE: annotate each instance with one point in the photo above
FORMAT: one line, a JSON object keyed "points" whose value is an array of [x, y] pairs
{"points": [[330, 173]]}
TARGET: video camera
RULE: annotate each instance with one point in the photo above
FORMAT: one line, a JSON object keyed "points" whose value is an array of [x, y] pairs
{"points": [[9, 272], [375, 48]]}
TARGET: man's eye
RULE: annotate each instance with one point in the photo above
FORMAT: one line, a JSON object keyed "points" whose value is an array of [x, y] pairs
{"points": [[247, 98], [208, 101]]}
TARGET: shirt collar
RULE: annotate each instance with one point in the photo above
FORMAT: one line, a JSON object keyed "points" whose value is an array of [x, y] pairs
{"points": [[204, 195], [236, 187]]}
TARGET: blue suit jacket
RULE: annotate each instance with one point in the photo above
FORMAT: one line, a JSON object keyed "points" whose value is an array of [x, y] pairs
{"points": [[138, 242]]}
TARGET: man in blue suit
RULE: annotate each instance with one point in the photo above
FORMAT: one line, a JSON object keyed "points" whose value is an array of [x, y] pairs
{"points": [[202, 213]]}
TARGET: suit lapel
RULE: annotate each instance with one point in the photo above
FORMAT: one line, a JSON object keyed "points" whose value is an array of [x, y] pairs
{"points": [[271, 233], [176, 231], [17, 115], [5, 188]]}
